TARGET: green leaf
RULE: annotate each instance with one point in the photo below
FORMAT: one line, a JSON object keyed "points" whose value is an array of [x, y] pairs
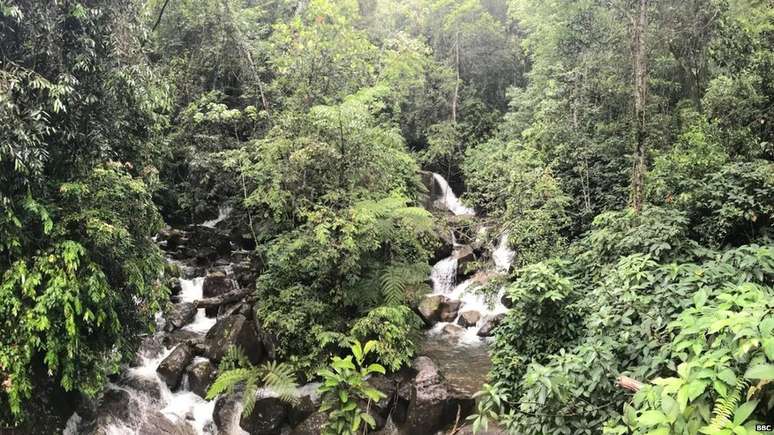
{"points": [[744, 411], [700, 298], [760, 371], [651, 418], [768, 348], [368, 419], [728, 376]]}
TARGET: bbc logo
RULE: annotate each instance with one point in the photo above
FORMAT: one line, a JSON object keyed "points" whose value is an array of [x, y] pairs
{"points": [[764, 427]]}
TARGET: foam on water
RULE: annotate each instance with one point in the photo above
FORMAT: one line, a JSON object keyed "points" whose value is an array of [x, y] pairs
{"points": [[503, 254], [444, 274]]}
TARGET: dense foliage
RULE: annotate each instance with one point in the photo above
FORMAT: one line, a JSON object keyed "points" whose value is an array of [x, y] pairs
{"points": [[623, 148]]}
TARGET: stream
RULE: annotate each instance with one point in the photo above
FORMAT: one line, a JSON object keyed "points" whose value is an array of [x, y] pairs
{"points": [[163, 391]]}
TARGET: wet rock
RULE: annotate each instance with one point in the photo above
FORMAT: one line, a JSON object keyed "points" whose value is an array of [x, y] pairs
{"points": [[465, 256], [433, 406], [155, 423], [449, 310], [489, 324], [506, 301], [234, 330], [430, 308], [226, 413], [453, 330], [151, 347], [179, 315], [302, 409], [191, 272], [312, 425], [210, 240], [116, 405], [469, 318], [201, 373], [175, 287], [171, 236], [216, 284], [180, 336], [173, 366], [242, 308], [267, 418], [446, 246], [151, 387]]}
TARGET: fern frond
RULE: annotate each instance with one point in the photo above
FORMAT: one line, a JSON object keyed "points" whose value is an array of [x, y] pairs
{"points": [[395, 280], [725, 406], [279, 377], [227, 380]]}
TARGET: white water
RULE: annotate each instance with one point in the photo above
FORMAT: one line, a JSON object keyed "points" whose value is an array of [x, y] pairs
{"points": [[192, 291], [223, 213], [449, 199], [503, 255], [444, 274]]}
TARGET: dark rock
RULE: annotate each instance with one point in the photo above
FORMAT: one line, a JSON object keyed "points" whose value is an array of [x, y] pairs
{"points": [[151, 387], [469, 318], [433, 405], [211, 240], [489, 324], [234, 330], [173, 366], [506, 301], [171, 236], [179, 315], [155, 423], [464, 255], [191, 272], [446, 246], [302, 409], [430, 308], [226, 413], [267, 418], [242, 308], [449, 310], [312, 425], [216, 284], [200, 375], [180, 336], [117, 404], [174, 286]]}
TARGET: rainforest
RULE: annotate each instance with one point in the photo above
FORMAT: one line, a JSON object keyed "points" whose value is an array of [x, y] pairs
{"points": [[398, 217]]}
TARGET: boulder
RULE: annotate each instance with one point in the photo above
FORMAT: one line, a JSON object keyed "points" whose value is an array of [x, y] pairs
{"points": [[446, 245], [449, 310], [489, 324], [173, 366], [226, 413], [210, 240], [312, 425], [433, 405], [201, 373], [149, 386], [180, 336], [430, 308], [179, 315], [117, 403], [453, 330], [464, 256], [175, 287], [171, 236], [306, 406], [234, 330], [155, 423], [216, 284], [506, 300], [469, 318], [268, 416]]}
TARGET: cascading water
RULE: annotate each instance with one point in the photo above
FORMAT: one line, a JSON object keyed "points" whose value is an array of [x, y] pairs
{"points": [[449, 199], [223, 213], [503, 255], [444, 274]]}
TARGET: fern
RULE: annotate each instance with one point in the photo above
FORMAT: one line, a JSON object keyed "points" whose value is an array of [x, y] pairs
{"points": [[236, 370], [724, 408], [396, 280]]}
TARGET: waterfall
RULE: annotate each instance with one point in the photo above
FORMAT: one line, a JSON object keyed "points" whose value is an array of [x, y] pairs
{"points": [[223, 212], [503, 255], [444, 274], [191, 291], [449, 199]]}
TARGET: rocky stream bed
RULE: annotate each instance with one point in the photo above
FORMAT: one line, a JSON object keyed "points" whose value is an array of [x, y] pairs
{"points": [[162, 391]]}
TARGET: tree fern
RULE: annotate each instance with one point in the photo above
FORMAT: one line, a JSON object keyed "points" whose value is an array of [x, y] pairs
{"points": [[396, 279]]}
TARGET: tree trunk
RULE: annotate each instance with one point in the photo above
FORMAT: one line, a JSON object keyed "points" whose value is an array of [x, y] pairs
{"points": [[456, 96], [640, 94]]}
